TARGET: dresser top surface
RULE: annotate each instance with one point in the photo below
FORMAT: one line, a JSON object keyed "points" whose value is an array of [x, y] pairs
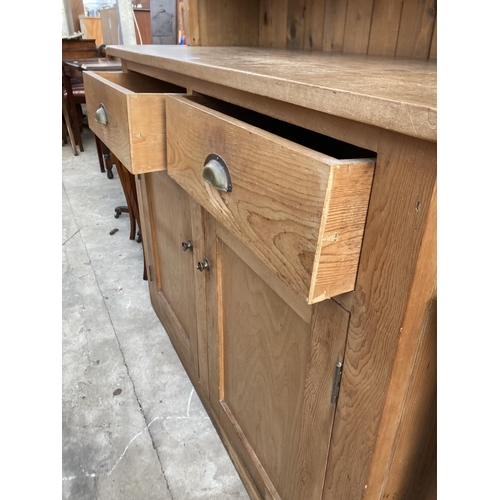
{"points": [[392, 93]]}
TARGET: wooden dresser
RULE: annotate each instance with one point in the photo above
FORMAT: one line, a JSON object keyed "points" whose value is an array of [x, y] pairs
{"points": [[288, 211]]}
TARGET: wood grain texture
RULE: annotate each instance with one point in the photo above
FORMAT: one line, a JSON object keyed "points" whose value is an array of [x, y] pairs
{"points": [[313, 24], [240, 454], [197, 232], [176, 282], [277, 206], [357, 26], [356, 133], [399, 406], [192, 25], [264, 353], [394, 94], [329, 25], [116, 135], [295, 24], [77, 10], [385, 27], [334, 25], [146, 230], [341, 231], [326, 348], [199, 384], [135, 131], [413, 472], [397, 217], [416, 28], [93, 29], [228, 23], [78, 49], [275, 375], [273, 23], [301, 308], [143, 27]]}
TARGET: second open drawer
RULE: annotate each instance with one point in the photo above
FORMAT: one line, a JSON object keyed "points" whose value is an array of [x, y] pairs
{"points": [[301, 211], [127, 112]]}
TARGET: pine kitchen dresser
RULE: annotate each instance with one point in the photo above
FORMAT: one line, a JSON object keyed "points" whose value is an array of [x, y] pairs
{"points": [[288, 216]]}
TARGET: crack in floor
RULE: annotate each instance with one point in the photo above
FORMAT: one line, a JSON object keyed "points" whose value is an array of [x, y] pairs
{"points": [[126, 367]]}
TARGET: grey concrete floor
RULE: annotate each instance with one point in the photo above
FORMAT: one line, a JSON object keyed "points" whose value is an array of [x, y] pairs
{"points": [[132, 425]]}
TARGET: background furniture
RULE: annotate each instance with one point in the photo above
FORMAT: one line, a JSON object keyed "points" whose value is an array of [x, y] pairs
{"points": [[67, 129], [91, 28], [73, 49], [111, 31], [392, 28], [74, 97]]}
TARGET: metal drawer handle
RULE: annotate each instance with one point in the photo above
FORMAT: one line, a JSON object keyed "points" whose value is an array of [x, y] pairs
{"points": [[101, 116], [216, 173], [203, 265]]}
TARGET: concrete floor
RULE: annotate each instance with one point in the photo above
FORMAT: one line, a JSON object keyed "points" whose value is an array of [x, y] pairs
{"points": [[133, 427]]}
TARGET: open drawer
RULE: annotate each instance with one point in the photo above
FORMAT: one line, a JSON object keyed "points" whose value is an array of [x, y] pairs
{"points": [[301, 211], [127, 112]]}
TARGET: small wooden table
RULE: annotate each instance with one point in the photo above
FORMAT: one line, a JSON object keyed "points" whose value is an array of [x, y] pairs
{"points": [[94, 64]]}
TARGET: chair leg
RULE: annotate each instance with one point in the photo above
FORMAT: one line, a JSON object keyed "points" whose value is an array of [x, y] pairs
{"points": [[127, 181], [74, 112], [64, 133], [99, 153], [70, 129], [108, 162]]}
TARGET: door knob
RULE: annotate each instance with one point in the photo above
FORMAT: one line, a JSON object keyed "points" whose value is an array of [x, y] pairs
{"points": [[187, 245], [203, 265]]}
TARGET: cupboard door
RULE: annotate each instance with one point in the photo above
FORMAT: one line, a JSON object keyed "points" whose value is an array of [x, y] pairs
{"points": [[173, 241], [271, 362]]}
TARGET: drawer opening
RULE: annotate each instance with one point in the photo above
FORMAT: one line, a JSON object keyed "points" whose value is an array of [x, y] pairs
{"points": [[127, 112], [307, 138], [141, 84]]}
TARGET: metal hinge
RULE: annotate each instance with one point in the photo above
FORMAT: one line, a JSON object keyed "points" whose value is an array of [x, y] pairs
{"points": [[139, 176], [336, 383], [151, 272]]}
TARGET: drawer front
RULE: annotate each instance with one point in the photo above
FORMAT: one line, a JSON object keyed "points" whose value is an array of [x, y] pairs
{"points": [[134, 108], [300, 211]]}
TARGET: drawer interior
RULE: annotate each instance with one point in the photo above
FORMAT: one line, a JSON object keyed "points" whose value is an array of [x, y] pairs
{"points": [[140, 84], [307, 138]]}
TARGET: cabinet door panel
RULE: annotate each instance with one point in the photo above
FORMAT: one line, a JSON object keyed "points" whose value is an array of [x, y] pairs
{"points": [[173, 290], [271, 374]]}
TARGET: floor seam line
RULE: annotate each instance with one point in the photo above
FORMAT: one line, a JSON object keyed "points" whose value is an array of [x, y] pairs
{"points": [[127, 368]]}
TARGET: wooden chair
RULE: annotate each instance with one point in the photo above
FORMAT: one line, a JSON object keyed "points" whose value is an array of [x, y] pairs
{"points": [[74, 97], [67, 129], [76, 126]]}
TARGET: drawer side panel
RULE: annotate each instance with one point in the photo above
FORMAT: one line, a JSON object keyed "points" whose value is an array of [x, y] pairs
{"points": [[147, 133], [341, 235]]}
